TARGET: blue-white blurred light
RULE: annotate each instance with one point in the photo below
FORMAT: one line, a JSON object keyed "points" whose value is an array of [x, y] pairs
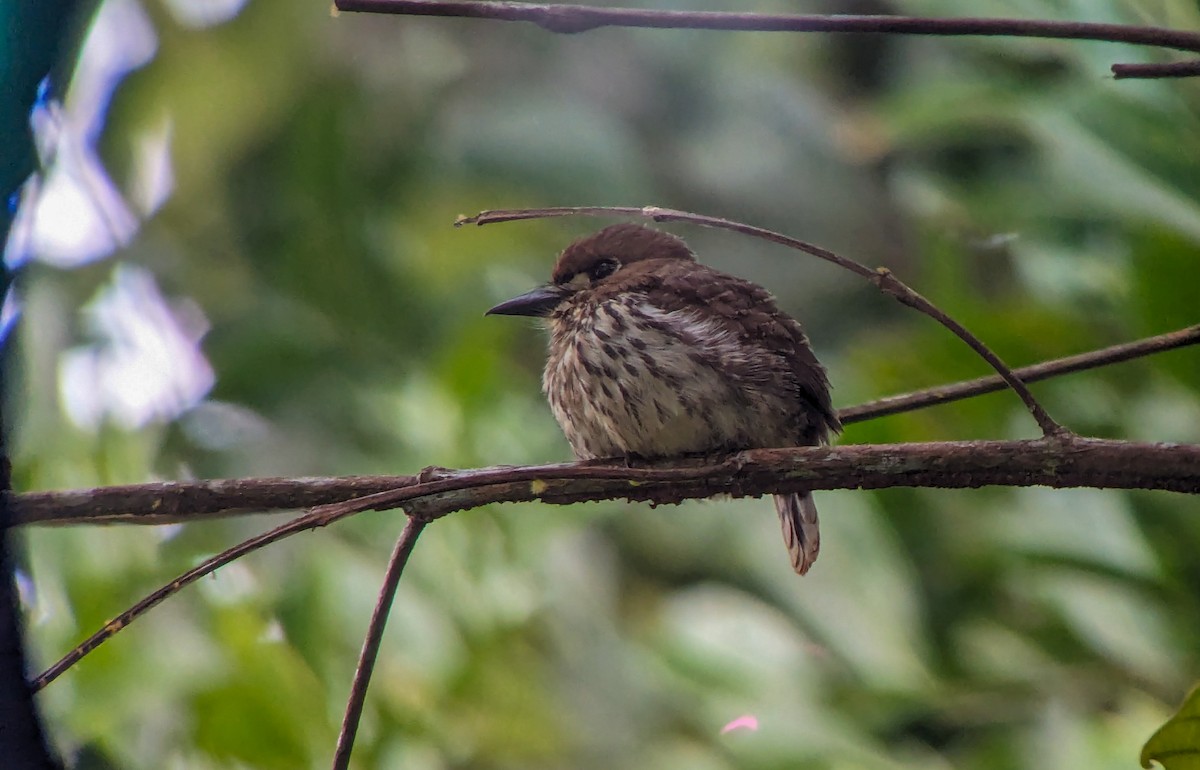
{"points": [[26, 590], [10, 311], [75, 213], [146, 364], [153, 178], [205, 13]]}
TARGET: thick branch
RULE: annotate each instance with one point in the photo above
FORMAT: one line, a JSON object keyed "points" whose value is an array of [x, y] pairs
{"points": [[1074, 462], [1080, 462], [171, 502]]}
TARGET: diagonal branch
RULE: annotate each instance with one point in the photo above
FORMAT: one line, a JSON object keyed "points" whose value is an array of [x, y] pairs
{"points": [[882, 278], [370, 650], [946, 394], [581, 18]]}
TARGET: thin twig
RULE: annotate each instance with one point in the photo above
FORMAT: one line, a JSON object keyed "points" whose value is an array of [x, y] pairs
{"points": [[1037, 372], [370, 648], [579, 18], [206, 567], [582, 18], [1070, 462], [882, 278], [1178, 69]]}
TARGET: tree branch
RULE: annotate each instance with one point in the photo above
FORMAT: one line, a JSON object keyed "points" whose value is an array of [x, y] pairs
{"points": [[582, 18], [370, 650], [174, 502], [948, 393], [867, 466]]}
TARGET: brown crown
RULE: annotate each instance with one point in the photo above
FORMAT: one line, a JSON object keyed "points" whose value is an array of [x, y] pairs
{"points": [[626, 243]]}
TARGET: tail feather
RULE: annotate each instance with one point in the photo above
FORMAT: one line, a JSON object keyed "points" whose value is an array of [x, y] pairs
{"points": [[801, 532]]}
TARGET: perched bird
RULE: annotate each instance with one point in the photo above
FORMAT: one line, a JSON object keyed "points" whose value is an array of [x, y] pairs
{"points": [[656, 355]]}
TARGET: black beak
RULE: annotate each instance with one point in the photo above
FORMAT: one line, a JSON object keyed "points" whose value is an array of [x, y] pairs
{"points": [[537, 303]]}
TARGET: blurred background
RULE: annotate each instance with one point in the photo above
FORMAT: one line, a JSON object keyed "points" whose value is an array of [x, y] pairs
{"points": [[241, 263]]}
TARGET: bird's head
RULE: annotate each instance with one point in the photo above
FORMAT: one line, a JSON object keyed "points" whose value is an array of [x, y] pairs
{"points": [[612, 257]]}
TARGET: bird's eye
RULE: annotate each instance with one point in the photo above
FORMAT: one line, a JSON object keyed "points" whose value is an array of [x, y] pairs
{"points": [[603, 269]]}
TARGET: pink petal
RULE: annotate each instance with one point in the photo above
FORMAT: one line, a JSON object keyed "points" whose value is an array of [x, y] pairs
{"points": [[747, 722]]}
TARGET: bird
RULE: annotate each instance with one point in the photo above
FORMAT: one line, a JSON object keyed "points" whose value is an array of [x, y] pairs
{"points": [[654, 355]]}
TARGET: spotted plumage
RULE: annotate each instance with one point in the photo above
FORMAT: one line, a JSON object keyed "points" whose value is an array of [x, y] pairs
{"points": [[653, 354]]}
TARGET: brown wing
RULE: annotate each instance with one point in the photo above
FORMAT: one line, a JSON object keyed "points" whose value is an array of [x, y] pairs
{"points": [[748, 311]]}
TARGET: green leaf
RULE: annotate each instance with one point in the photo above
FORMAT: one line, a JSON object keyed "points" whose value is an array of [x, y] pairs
{"points": [[1176, 745]]}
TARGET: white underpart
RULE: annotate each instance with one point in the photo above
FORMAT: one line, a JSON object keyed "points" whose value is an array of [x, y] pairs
{"points": [[644, 410]]}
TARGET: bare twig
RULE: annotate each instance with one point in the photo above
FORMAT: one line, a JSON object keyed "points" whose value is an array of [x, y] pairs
{"points": [[1178, 69], [883, 279], [370, 649], [1071, 462], [581, 18], [207, 567], [947, 393]]}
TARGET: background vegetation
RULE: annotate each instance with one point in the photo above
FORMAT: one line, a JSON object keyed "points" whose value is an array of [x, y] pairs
{"points": [[289, 180]]}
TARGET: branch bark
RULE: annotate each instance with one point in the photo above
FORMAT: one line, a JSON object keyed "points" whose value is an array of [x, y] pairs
{"points": [[1055, 462], [371, 643], [570, 19], [1059, 462], [1035, 373]]}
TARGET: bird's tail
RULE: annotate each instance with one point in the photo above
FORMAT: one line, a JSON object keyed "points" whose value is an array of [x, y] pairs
{"points": [[801, 530]]}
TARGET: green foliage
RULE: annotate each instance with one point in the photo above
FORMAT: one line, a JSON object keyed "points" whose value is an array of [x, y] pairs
{"points": [[1176, 745], [319, 163]]}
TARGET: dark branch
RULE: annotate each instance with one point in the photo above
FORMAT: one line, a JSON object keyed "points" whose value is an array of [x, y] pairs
{"points": [[370, 649], [581, 18], [883, 279], [1179, 69], [1035, 373], [1073, 462], [172, 502]]}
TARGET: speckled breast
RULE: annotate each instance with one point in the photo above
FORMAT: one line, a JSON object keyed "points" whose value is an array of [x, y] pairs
{"points": [[624, 376]]}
